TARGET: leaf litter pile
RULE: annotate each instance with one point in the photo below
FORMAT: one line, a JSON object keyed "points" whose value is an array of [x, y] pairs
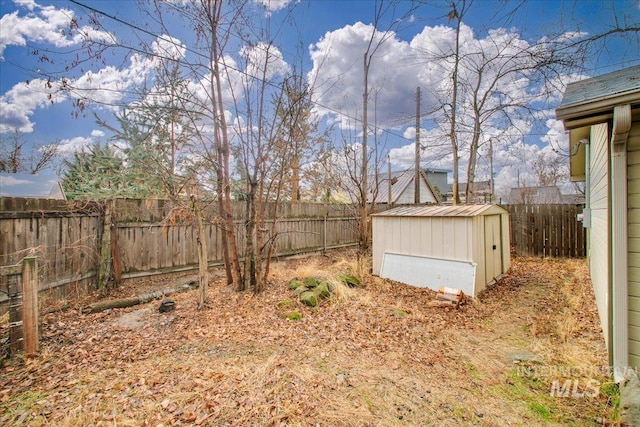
{"points": [[373, 355]]}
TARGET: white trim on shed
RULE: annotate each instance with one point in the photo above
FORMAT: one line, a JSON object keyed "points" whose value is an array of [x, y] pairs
{"points": [[478, 234]]}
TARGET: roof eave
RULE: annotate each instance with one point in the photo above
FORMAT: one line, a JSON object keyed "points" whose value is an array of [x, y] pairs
{"points": [[594, 111]]}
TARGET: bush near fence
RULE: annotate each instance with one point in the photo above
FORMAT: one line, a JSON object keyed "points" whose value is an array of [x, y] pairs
{"points": [[67, 237]]}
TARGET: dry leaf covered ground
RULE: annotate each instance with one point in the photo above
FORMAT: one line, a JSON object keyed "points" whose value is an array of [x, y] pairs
{"points": [[378, 355]]}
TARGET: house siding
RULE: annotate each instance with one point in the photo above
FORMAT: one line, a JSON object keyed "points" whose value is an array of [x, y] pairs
{"points": [[633, 218], [408, 195], [598, 251]]}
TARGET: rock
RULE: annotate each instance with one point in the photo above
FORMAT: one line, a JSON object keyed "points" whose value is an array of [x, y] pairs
{"points": [[630, 400], [309, 298], [295, 284], [322, 290], [311, 282], [166, 306], [351, 281], [523, 356], [300, 289]]}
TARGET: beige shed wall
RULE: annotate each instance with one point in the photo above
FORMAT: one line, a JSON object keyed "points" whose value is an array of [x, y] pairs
{"points": [[598, 250], [447, 237], [633, 204], [437, 237]]}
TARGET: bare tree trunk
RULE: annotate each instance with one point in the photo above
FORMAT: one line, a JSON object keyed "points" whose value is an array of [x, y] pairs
{"points": [[454, 105], [364, 229], [250, 226], [203, 264], [295, 179], [230, 250], [471, 167]]}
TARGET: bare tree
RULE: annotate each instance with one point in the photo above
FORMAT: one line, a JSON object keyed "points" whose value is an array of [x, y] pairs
{"points": [[549, 168], [16, 157], [495, 86]]}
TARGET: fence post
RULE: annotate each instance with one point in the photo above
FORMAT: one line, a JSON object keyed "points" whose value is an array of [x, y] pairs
{"points": [[30, 304]]}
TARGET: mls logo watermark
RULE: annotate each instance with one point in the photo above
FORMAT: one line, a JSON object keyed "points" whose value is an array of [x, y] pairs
{"points": [[573, 388]]}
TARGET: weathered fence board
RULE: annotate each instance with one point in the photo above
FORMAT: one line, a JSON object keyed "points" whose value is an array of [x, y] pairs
{"points": [[550, 230]]}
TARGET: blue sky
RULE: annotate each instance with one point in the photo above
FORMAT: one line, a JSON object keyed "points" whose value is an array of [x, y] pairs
{"points": [[325, 36]]}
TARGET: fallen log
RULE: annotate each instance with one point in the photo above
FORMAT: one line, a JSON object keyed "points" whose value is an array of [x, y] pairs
{"points": [[140, 299]]}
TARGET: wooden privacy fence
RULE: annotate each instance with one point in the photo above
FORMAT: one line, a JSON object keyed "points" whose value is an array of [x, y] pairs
{"points": [[20, 284], [547, 230], [63, 235], [143, 237]]}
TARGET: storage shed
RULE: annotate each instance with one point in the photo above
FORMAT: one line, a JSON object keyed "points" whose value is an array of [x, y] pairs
{"points": [[464, 247]]}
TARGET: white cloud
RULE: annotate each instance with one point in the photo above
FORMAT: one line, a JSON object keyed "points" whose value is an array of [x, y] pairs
{"points": [[97, 133], [19, 103], [399, 67], [263, 61], [338, 76], [106, 86], [168, 47], [274, 5], [67, 147], [28, 4], [44, 24], [10, 180]]}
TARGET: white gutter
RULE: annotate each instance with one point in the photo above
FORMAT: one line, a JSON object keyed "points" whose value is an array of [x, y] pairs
{"points": [[619, 251]]}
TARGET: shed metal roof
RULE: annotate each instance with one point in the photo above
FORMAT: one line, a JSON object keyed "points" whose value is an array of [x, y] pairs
{"points": [[442, 211]]}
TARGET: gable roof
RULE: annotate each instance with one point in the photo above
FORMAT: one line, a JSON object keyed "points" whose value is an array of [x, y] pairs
{"points": [[400, 182], [598, 95], [39, 186]]}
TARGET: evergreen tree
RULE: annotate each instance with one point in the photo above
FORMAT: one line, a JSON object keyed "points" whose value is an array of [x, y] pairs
{"points": [[94, 173]]}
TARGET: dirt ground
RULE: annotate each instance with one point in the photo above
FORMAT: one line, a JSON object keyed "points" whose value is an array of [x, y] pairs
{"points": [[527, 352]]}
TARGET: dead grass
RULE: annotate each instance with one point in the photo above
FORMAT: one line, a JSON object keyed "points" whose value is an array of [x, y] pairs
{"points": [[371, 356]]}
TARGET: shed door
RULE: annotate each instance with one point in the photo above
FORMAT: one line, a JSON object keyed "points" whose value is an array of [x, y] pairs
{"points": [[493, 248]]}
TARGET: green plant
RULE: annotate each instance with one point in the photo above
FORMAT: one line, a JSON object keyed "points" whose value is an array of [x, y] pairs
{"points": [[612, 392], [294, 315]]}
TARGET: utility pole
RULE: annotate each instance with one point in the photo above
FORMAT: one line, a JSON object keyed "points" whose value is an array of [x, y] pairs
{"points": [[389, 198], [416, 193], [491, 183]]}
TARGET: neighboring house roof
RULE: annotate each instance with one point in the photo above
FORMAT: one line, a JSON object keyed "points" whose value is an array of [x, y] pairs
{"points": [[573, 199], [598, 95], [402, 182], [39, 186], [536, 195], [479, 187]]}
